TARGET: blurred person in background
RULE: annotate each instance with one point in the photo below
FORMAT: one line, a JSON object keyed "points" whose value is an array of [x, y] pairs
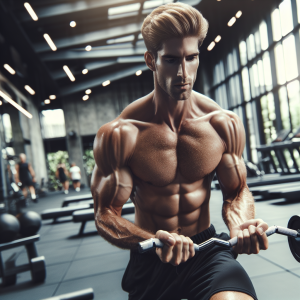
{"points": [[62, 174], [75, 176], [25, 177]]}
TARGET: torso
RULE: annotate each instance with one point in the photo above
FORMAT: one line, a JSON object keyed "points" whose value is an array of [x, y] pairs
{"points": [[172, 174]]}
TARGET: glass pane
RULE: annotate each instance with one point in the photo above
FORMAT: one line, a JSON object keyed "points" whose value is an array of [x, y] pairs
{"points": [[232, 92], [298, 10], [251, 46], [246, 85], [235, 60], [224, 96], [294, 100], [279, 62], [263, 31], [286, 17], [257, 42], [252, 137], [238, 89], [7, 128], [276, 26], [243, 53], [53, 123], [216, 75], [222, 72], [261, 76], [268, 117], [267, 71], [290, 57], [229, 64], [284, 107]]}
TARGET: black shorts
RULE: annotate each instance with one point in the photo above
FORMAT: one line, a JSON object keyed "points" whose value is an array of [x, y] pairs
{"points": [[26, 183], [75, 180], [202, 276]]}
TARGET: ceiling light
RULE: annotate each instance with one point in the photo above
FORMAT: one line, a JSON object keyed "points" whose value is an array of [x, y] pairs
{"points": [[218, 39], [122, 39], [88, 48], [9, 69], [69, 73], [211, 46], [29, 89], [50, 42], [85, 97], [231, 21], [238, 14], [47, 101], [16, 105], [88, 91], [31, 11], [85, 71], [105, 83], [138, 73], [72, 23], [52, 97], [124, 9]]}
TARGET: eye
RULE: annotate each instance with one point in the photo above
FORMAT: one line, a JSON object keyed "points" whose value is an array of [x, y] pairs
{"points": [[170, 60], [191, 58]]}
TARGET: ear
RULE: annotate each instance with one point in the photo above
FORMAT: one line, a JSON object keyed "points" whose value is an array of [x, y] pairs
{"points": [[149, 60]]}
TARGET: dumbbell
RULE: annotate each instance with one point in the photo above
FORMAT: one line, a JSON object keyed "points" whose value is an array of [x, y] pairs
{"points": [[292, 232]]}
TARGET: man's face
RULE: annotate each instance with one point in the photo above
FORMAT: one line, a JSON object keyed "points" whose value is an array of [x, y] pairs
{"points": [[176, 66]]}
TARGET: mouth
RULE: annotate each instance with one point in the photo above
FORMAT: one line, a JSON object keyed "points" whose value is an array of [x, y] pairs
{"points": [[182, 86]]}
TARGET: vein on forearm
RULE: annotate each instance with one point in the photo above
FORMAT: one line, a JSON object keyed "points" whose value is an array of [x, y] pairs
{"points": [[238, 209]]}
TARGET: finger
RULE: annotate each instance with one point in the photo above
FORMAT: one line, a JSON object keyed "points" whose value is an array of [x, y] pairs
{"points": [[165, 237], [254, 222], [239, 246], [177, 250], [166, 253], [191, 248], [246, 241], [262, 239], [254, 240], [185, 249]]}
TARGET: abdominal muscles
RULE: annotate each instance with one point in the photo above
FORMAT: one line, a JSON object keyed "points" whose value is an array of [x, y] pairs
{"points": [[179, 208]]}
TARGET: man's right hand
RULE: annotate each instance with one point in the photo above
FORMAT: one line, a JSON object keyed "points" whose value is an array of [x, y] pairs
{"points": [[177, 248]]}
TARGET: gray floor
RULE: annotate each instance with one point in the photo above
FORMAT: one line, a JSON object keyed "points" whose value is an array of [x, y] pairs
{"points": [[75, 263]]}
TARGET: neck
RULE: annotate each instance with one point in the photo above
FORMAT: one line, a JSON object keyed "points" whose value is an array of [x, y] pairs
{"points": [[170, 111]]}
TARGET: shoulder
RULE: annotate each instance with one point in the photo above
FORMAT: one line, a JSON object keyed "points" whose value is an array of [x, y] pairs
{"points": [[231, 130], [114, 145]]}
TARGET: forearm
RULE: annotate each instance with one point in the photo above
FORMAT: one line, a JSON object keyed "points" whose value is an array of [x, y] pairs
{"points": [[239, 209], [119, 231]]}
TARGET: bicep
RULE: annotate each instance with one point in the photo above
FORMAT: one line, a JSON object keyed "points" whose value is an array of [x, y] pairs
{"points": [[231, 173], [111, 192]]}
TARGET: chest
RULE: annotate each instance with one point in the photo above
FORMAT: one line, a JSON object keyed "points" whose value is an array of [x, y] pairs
{"points": [[160, 153]]}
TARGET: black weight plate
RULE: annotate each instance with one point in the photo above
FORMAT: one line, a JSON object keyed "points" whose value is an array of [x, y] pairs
{"points": [[38, 269], [294, 243]]}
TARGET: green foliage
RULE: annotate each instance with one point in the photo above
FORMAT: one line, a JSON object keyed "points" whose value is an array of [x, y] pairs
{"points": [[53, 159], [89, 163]]}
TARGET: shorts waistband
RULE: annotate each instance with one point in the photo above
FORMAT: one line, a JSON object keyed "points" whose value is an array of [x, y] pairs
{"points": [[204, 235]]}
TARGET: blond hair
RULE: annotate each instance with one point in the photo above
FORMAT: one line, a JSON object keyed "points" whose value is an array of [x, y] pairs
{"points": [[170, 21]]}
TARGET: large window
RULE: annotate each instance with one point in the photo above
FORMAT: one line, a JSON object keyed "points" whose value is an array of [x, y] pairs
{"points": [[53, 123], [259, 79]]}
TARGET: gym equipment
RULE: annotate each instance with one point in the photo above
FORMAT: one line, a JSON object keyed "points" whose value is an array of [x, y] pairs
{"points": [[9, 227], [86, 294], [292, 232], [55, 213], [30, 223], [75, 199], [36, 265], [294, 244], [88, 215]]}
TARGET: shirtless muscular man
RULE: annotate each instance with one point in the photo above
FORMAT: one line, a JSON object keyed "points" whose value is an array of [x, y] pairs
{"points": [[162, 152]]}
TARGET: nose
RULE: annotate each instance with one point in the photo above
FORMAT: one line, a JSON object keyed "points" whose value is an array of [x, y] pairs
{"points": [[182, 72]]}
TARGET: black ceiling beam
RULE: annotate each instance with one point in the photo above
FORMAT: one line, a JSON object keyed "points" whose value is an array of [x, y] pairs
{"points": [[94, 54], [71, 8], [95, 82], [90, 37], [17, 36]]}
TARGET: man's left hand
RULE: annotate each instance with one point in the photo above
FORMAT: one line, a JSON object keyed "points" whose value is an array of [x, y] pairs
{"points": [[251, 237]]}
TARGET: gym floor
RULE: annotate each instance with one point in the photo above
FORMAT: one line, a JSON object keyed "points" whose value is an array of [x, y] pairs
{"points": [[75, 263]]}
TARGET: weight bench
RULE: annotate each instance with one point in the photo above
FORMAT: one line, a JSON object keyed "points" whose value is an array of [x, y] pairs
{"points": [[75, 199], [289, 193], [265, 190], [88, 215], [55, 213], [36, 265]]}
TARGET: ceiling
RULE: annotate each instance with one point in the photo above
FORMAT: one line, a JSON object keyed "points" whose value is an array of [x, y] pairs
{"points": [[109, 58]]}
